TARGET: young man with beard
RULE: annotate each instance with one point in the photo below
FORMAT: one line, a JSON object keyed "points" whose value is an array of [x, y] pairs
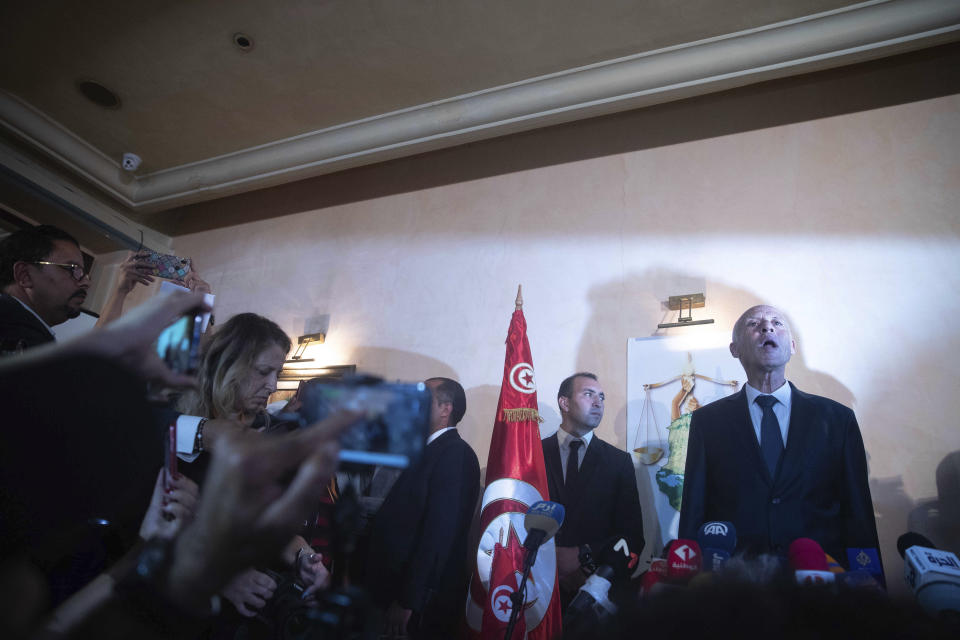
{"points": [[594, 481]]}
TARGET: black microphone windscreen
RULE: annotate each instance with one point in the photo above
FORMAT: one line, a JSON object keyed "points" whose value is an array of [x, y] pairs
{"points": [[912, 539], [615, 554]]}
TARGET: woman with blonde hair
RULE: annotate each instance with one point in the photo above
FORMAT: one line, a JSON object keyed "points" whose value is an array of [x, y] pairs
{"points": [[239, 367]]}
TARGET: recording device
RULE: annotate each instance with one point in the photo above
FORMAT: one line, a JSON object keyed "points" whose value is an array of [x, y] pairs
{"points": [[684, 560], [717, 540], [591, 607], [867, 559], [339, 613], [932, 574], [654, 577], [165, 265], [809, 562], [394, 430], [542, 521], [179, 344]]}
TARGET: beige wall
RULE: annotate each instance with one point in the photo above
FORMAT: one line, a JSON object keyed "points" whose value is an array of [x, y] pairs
{"points": [[847, 220]]}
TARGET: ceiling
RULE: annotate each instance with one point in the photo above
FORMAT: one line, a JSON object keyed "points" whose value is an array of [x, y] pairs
{"points": [[329, 85]]}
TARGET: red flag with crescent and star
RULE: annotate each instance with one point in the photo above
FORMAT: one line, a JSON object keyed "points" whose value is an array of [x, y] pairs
{"points": [[516, 478]]}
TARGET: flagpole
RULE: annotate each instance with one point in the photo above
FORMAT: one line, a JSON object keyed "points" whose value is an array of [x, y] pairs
{"points": [[519, 300]]}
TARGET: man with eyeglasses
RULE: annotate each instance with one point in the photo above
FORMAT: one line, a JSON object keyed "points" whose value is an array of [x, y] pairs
{"points": [[43, 284]]}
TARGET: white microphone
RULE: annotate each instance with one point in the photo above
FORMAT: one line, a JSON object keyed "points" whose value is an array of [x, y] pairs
{"points": [[934, 577]]}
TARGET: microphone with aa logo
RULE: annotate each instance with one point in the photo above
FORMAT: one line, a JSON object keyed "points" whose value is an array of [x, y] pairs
{"points": [[717, 539]]}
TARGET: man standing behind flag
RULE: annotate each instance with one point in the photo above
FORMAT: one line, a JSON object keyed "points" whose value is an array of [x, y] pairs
{"points": [[593, 480], [515, 480], [417, 567]]}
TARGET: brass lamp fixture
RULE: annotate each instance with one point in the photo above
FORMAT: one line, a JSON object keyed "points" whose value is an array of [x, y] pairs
{"points": [[303, 342], [689, 300]]}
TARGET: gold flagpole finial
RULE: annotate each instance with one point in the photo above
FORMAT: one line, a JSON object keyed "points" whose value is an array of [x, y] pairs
{"points": [[519, 300]]}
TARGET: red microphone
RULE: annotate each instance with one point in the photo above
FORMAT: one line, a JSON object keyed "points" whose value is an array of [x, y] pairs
{"points": [[654, 576], [684, 561], [809, 562]]}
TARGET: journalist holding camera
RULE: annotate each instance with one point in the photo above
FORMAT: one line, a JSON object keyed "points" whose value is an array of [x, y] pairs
{"points": [[80, 458]]}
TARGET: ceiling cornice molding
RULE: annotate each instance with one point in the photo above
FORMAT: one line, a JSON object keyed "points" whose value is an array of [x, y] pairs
{"points": [[844, 36], [93, 212]]}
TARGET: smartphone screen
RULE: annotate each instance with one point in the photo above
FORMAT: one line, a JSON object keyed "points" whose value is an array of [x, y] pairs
{"points": [[179, 344], [394, 431]]}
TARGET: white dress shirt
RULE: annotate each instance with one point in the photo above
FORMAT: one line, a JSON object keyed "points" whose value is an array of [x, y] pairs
{"points": [[436, 434], [563, 439], [781, 409]]}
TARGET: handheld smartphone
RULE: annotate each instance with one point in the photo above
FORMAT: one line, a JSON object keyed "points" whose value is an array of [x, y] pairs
{"points": [[394, 431], [170, 457], [179, 344], [165, 265]]}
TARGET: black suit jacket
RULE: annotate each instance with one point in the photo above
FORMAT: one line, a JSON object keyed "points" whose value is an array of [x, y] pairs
{"points": [[605, 503], [418, 540], [19, 329], [819, 490]]}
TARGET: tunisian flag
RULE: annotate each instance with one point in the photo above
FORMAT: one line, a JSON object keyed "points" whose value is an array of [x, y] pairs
{"points": [[516, 478]]}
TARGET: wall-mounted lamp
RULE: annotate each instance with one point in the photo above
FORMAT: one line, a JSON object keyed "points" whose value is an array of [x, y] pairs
{"points": [[303, 342], [332, 372], [689, 300]]}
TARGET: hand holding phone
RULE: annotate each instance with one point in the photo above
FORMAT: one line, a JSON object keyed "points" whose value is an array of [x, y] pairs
{"points": [[169, 266], [179, 344]]}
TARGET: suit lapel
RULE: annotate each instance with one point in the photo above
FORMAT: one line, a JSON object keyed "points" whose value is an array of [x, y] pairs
{"points": [[551, 459], [748, 436], [801, 413]]}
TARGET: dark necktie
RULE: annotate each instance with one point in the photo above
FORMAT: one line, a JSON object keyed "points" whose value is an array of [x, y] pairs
{"points": [[771, 442], [573, 464]]}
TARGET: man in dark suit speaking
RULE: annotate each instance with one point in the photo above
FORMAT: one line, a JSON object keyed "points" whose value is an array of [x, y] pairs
{"points": [[417, 568], [593, 480], [778, 463]]}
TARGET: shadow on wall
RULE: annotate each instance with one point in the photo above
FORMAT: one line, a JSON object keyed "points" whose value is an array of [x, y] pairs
{"points": [[939, 519], [902, 79], [616, 316]]}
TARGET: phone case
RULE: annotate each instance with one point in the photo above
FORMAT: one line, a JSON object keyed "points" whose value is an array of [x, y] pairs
{"points": [[169, 266]]}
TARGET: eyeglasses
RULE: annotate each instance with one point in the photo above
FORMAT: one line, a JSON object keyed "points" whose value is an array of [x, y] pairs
{"points": [[76, 270]]}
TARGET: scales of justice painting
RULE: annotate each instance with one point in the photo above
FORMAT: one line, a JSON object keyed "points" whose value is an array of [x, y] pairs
{"points": [[667, 379]]}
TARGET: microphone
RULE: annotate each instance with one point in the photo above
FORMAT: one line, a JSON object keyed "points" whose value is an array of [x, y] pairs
{"points": [[542, 521], [932, 574], [653, 577], [809, 562], [684, 560], [591, 606], [717, 540], [867, 560], [912, 539], [833, 566]]}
